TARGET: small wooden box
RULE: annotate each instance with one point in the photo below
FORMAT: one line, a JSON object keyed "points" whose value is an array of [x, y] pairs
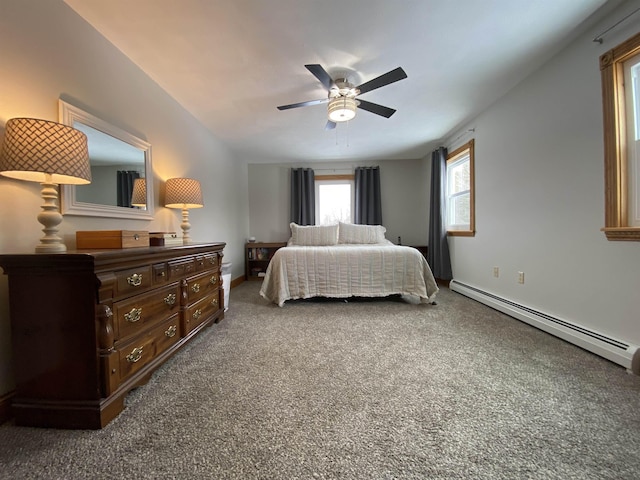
{"points": [[111, 239]]}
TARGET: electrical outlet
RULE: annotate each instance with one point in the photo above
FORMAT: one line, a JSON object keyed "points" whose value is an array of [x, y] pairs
{"points": [[520, 277], [496, 272]]}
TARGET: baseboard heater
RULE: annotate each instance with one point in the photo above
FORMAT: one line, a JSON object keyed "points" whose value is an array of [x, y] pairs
{"points": [[614, 350]]}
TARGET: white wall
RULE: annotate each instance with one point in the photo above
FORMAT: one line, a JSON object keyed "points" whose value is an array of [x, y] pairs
{"points": [[405, 198], [540, 197], [48, 52]]}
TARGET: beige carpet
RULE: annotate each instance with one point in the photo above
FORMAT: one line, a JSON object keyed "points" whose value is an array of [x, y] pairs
{"points": [[353, 390]]}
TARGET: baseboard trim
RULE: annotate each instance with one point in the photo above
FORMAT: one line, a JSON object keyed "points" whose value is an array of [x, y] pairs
{"points": [[237, 281], [612, 349], [5, 406]]}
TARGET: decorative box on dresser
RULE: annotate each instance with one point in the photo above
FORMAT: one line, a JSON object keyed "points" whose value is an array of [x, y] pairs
{"points": [[88, 326]]}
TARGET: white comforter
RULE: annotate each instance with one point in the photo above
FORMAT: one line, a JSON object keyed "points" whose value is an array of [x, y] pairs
{"points": [[341, 271]]}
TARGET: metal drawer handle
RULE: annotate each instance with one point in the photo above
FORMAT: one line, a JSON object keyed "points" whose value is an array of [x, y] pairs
{"points": [[134, 315], [212, 260], [170, 299], [135, 280], [171, 331], [213, 280], [195, 288], [214, 302], [135, 355], [196, 314]]}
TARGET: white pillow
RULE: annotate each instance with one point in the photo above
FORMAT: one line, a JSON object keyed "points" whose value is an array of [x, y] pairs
{"points": [[313, 235], [352, 233]]}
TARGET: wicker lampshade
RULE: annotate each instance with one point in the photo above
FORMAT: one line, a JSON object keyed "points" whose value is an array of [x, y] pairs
{"points": [[139, 194], [183, 193], [33, 148]]}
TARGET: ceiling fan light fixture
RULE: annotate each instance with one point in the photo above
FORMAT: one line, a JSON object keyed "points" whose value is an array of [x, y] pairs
{"points": [[342, 109]]}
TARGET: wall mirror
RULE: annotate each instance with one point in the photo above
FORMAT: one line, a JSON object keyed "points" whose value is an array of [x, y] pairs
{"points": [[111, 150]]}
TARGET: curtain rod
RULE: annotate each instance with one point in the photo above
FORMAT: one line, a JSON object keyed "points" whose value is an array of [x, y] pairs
{"points": [[470, 130], [598, 38]]}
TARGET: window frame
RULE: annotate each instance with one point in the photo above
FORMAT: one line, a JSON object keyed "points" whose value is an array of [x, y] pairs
{"points": [[336, 178], [616, 215], [452, 158]]}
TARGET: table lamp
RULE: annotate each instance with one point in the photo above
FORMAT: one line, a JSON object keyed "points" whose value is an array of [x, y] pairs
{"points": [[184, 193], [50, 153]]}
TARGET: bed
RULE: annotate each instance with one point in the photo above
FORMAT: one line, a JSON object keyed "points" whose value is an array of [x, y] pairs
{"points": [[345, 261]]}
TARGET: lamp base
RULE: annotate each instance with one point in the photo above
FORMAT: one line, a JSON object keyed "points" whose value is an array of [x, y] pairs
{"points": [[51, 248], [50, 218], [186, 226]]}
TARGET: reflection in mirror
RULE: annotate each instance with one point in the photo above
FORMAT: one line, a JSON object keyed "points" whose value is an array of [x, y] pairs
{"points": [[117, 159]]}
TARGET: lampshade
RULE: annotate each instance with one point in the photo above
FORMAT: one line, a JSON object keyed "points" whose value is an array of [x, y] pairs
{"points": [[342, 109], [33, 149], [183, 193], [139, 194]]}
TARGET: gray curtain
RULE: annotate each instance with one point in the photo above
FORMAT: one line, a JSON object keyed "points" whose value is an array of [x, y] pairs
{"points": [[125, 181], [368, 207], [438, 251], [303, 197]]}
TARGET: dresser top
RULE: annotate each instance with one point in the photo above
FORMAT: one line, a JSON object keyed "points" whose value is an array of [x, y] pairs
{"points": [[107, 257]]}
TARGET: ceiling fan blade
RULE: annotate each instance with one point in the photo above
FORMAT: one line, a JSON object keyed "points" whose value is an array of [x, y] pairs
{"points": [[382, 80], [303, 104], [330, 125], [322, 75], [375, 108]]}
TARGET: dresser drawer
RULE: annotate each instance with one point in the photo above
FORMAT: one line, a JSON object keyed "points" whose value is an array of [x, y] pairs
{"points": [[200, 311], [160, 273], [211, 260], [166, 334], [200, 263], [180, 268], [202, 285], [138, 313], [139, 352], [133, 280]]}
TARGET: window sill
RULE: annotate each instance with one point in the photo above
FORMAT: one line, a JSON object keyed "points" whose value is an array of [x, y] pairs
{"points": [[631, 234], [461, 233]]}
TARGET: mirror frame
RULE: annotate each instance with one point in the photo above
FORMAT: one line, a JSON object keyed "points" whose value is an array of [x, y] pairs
{"points": [[69, 205]]}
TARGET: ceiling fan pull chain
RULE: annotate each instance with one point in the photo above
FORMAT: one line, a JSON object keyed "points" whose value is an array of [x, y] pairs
{"points": [[347, 122]]}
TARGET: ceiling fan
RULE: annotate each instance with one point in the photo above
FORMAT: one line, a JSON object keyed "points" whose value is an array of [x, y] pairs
{"points": [[343, 96]]}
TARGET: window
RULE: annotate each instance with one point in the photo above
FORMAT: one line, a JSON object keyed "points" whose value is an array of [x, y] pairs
{"points": [[334, 199], [460, 206], [620, 114], [632, 100]]}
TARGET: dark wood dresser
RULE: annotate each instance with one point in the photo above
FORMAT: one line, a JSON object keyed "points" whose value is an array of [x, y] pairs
{"points": [[88, 326]]}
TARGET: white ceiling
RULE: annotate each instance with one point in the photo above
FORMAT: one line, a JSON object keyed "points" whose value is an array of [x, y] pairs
{"points": [[230, 63]]}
